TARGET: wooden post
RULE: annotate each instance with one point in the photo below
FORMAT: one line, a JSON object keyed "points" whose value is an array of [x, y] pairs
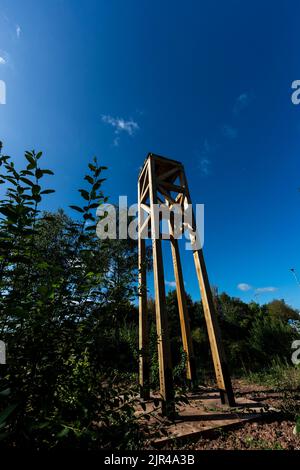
{"points": [[163, 343], [214, 334], [183, 311], [143, 314]]}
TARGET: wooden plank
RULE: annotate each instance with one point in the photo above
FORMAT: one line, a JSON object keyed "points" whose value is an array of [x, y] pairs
{"points": [[167, 174], [166, 194], [163, 343], [164, 160], [144, 193], [146, 208], [144, 370], [182, 307], [144, 225], [145, 167], [214, 335], [172, 187], [145, 182]]}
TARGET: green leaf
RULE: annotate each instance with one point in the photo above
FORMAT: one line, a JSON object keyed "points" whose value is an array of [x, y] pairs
{"points": [[38, 155], [30, 158], [26, 172], [98, 184], [90, 227], [84, 194], [36, 189], [88, 217], [63, 433], [31, 166], [95, 205], [76, 208], [47, 172], [89, 179], [92, 167], [48, 191], [26, 181]]}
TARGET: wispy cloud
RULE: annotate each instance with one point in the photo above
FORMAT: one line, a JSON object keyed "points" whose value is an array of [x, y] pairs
{"points": [[4, 58], [205, 160], [170, 283], [2, 92], [229, 132], [242, 102], [119, 125], [262, 290], [18, 30], [243, 286], [205, 166]]}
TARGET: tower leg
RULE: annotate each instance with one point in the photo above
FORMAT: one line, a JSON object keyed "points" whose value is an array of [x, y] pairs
{"points": [[163, 343], [144, 370], [218, 354], [183, 311], [214, 334]]}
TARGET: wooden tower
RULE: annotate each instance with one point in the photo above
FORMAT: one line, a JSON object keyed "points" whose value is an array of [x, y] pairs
{"points": [[163, 182]]}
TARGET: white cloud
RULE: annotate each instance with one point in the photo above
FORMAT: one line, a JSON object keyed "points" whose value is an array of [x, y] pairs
{"points": [[208, 147], [258, 290], [121, 125], [4, 58], [205, 161], [244, 287], [242, 102], [170, 283], [229, 132], [262, 290], [18, 31], [2, 92], [205, 165], [116, 141]]}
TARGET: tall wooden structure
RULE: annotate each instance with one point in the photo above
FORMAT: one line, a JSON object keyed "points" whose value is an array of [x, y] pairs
{"points": [[163, 182]]}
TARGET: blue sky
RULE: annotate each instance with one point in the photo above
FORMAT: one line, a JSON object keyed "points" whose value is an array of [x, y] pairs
{"points": [[204, 82]]}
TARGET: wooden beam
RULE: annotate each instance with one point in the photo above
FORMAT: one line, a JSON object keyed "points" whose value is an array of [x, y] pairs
{"points": [[144, 225], [165, 175], [146, 208], [163, 343], [161, 159], [145, 167], [144, 193], [144, 370], [160, 200], [183, 311], [172, 187], [214, 334], [166, 194], [145, 181]]}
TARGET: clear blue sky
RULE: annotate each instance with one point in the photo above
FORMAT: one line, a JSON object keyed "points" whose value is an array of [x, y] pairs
{"points": [[204, 82]]}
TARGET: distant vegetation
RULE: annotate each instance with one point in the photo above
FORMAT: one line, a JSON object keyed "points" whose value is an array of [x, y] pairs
{"points": [[69, 319]]}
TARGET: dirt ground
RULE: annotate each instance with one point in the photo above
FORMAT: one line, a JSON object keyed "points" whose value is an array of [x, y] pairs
{"points": [[275, 432]]}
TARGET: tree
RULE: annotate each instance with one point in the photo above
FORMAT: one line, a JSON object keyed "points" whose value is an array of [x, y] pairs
{"points": [[280, 310], [53, 294]]}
